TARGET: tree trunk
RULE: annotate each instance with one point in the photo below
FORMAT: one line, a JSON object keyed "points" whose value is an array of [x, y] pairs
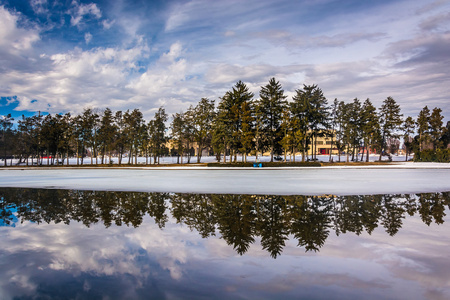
{"points": [[368, 150]]}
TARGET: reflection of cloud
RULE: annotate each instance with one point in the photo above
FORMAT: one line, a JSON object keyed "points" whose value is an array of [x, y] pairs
{"points": [[127, 262]]}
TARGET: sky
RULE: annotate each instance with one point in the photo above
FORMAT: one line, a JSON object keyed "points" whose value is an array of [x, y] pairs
{"points": [[64, 56]]}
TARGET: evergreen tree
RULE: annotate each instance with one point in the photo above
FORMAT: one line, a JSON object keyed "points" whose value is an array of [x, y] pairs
{"points": [[409, 127], [189, 132], [310, 111], [6, 123], [287, 141], [354, 126], [333, 126], [436, 127], [177, 130], [230, 116], [271, 105], [134, 130], [204, 116], [107, 133], [390, 121], [157, 133], [121, 139], [247, 132], [423, 127], [370, 126], [221, 133]]}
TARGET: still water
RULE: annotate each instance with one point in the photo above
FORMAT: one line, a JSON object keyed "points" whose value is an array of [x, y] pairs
{"points": [[71, 244]]}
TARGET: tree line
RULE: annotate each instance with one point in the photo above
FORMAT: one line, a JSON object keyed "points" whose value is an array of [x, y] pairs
{"points": [[238, 219], [239, 125]]}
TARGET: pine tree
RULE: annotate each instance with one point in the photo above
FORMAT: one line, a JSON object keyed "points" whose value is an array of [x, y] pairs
{"points": [[107, 132], [390, 121], [271, 105], [230, 116], [157, 133], [436, 127], [247, 132], [177, 129], [409, 127], [423, 127], [310, 112], [203, 118], [370, 126], [6, 123]]}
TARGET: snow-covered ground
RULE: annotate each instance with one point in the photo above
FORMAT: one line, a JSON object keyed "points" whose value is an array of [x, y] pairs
{"points": [[392, 179]]}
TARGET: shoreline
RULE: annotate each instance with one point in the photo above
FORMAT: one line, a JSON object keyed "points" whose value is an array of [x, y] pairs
{"points": [[228, 166]]}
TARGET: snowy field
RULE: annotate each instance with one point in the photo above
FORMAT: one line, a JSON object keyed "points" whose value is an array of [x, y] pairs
{"points": [[397, 178]]}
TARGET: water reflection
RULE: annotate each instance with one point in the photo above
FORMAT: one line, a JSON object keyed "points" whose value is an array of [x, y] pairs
{"points": [[238, 219]]}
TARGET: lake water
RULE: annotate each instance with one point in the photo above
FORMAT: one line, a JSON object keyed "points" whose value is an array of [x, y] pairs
{"points": [[71, 244]]}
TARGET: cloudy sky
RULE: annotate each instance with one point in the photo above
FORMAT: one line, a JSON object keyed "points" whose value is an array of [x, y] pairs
{"points": [[59, 56]]}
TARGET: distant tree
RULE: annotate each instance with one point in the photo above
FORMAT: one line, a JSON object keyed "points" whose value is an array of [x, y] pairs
{"points": [[348, 127], [50, 136], [189, 132], [354, 126], [390, 121], [247, 131], [25, 141], [177, 130], [423, 127], [230, 117], [319, 116], [300, 109], [446, 136], [6, 123], [157, 133], [341, 123], [370, 126], [333, 126], [64, 145], [436, 127], [310, 112], [202, 125], [287, 141], [121, 139], [134, 129], [221, 133], [107, 132], [409, 127], [271, 105], [36, 121]]}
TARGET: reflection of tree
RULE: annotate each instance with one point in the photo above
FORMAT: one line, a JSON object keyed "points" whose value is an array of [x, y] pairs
{"points": [[354, 213], [393, 214], [157, 206], [312, 222], [196, 211], [271, 224], [238, 218], [432, 206]]}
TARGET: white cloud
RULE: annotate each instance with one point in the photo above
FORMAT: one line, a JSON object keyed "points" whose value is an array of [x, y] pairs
{"points": [[108, 24], [13, 39], [39, 6], [87, 37], [79, 11]]}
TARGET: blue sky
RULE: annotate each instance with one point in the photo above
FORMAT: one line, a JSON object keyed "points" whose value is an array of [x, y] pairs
{"points": [[61, 56]]}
